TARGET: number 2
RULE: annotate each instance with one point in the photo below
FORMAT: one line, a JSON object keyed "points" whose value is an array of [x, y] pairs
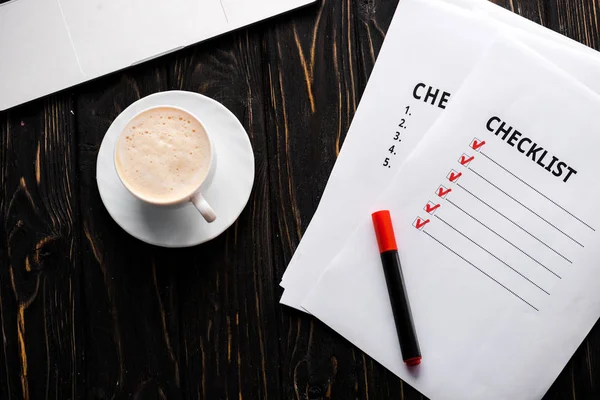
{"points": [[386, 162], [402, 123]]}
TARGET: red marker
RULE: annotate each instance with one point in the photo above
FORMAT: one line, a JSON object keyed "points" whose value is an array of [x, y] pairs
{"points": [[411, 354]]}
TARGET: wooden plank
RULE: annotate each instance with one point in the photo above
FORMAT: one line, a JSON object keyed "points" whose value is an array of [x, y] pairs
{"points": [[229, 326], [41, 317], [577, 19], [130, 288], [313, 77]]}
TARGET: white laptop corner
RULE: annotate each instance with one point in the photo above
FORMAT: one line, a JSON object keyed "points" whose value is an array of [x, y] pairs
{"points": [[36, 55], [50, 45]]}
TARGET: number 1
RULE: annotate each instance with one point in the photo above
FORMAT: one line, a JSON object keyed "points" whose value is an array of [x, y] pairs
{"points": [[407, 108]]}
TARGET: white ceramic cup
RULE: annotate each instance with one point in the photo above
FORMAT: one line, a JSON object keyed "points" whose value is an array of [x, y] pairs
{"points": [[195, 195]]}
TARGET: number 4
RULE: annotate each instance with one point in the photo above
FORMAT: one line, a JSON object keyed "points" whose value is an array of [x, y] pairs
{"points": [[391, 149]]}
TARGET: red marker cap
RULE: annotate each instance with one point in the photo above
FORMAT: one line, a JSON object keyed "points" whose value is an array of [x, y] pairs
{"points": [[382, 221], [411, 362]]}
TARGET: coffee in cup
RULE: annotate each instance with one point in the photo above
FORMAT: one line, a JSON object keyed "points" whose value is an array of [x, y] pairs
{"points": [[163, 156]]}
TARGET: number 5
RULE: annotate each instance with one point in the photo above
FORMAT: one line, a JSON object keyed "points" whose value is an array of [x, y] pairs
{"points": [[386, 162]]}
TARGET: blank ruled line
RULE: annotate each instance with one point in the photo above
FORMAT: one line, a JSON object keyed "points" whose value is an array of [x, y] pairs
{"points": [[480, 270], [515, 224], [506, 240], [537, 191], [492, 254], [527, 208]]}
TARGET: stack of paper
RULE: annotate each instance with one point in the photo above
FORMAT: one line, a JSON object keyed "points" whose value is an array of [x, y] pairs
{"points": [[477, 131]]}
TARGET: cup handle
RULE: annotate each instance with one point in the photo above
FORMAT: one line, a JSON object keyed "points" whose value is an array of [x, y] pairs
{"points": [[205, 209]]}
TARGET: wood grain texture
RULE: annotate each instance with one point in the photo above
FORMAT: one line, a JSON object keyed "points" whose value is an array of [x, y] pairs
{"points": [[88, 312], [41, 316], [229, 326], [312, 78]]}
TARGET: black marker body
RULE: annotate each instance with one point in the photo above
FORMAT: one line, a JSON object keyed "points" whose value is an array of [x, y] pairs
{"points": [[411, 353]]}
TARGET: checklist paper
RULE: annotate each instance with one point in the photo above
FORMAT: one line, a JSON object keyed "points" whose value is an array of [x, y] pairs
{"points": [[497, 235], [418, 69]]}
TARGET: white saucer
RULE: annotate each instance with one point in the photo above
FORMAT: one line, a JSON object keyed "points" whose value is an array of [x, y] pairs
{"points": [[227, 194]]}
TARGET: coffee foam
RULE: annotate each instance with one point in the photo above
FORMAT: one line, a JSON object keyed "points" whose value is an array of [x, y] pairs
{"points": [[163, 154]]}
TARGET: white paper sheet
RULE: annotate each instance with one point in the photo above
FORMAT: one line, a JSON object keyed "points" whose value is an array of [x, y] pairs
{"points": [[500, 14], [440, 54], [502, 275]]}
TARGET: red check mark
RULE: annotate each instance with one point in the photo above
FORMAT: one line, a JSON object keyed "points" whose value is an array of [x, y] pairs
{"points": [[454, 176], [442, 191], [464, 160], [420, 223], [429, 208], [476, 144]]}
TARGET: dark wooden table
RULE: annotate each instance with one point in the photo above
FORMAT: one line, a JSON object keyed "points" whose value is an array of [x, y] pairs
{"points": [[88, 312]]}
